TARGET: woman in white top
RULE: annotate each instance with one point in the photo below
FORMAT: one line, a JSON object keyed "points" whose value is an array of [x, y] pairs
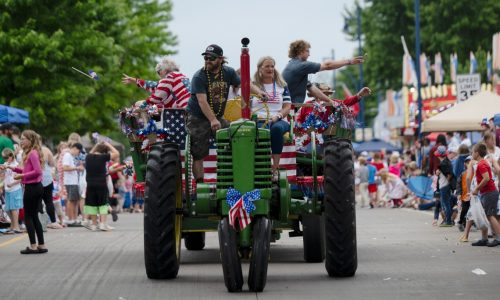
{"points": [[278, 101]]}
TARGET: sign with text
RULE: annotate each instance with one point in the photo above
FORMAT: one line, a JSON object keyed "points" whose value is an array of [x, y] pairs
{"points": [[467, 86]]}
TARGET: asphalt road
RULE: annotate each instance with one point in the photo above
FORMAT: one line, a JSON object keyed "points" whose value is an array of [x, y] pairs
{"points": [[401, 256]]}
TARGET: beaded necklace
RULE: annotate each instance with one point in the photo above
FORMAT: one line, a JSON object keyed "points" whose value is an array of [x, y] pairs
{"points": [[221, 91], [274, 91]]}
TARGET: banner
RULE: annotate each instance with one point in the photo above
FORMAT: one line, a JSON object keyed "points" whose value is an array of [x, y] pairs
{"points": [[453, 66], [496, 51], [438, 69], [489, 69], [473, 64], [424, 70]]}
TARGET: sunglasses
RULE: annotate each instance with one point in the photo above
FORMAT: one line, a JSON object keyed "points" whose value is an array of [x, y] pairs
{"points": [[5, 157], [210, 57]]}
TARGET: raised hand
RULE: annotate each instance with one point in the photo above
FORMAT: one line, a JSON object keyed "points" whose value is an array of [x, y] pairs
{"points": [[364, 92], [127, 79]]}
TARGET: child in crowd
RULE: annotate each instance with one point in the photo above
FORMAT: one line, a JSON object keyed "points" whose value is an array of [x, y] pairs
{"points": [[488, 195], [13, 191], [395, 187], [57, 200], [372, 183], [463, 193]]}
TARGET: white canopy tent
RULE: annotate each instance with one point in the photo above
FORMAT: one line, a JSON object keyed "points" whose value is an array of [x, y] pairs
{"points": [[465, 116]]}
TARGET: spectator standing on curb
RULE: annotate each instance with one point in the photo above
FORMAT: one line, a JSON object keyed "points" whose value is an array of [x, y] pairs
{"points": [[71, 183], [445, 174], [31, 177], [488, 195], [48, 187], [96, 201]]}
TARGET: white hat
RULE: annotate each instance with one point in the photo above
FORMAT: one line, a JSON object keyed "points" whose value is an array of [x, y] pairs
{"points": [[364, 153]]}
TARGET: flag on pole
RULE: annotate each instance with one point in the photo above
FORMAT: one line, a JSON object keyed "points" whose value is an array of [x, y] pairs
{"points": [[453, 66], [424, 69], [489, 69], [438, 69], [473, 64], [496, 51], [409, 71]]}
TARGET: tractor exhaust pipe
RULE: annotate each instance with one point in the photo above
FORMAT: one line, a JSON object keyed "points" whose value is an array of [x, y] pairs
{"points": [[245, 79]]}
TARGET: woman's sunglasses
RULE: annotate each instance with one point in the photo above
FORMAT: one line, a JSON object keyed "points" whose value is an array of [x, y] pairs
{"points": [[210, 57]]}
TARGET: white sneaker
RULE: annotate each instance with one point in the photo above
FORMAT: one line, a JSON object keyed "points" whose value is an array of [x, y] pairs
{"points": [[103, 227], [86, 223], [91, 227], [109, 227]]}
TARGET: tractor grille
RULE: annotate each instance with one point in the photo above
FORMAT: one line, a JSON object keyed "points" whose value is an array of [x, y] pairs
{"points": [[262, 161]]}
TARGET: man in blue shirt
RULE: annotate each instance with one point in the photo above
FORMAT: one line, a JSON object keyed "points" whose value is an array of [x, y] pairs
{"points": [[298, 68]]}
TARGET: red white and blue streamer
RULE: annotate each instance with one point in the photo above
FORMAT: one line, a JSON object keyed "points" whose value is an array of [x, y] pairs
{"points": [[241, 206]]}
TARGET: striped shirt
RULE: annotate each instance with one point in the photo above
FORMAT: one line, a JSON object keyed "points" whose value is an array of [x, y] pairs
{"points": [[171, 91]]}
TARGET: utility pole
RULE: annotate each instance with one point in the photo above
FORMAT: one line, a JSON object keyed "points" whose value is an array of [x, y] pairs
{"points": [[361, 83], [417, 68]]}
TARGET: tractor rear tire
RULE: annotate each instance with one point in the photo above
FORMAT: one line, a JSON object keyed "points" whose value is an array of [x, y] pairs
{"points": [[313, 228], [231, 265], [162, 225], [340, 212], [260, 254], [194, 241]]}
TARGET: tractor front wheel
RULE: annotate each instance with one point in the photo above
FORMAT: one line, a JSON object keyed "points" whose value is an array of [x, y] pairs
{"points": [[194, 240], [260, 254], [314, 238], [162, 224], [340, 213], [231, 266]]}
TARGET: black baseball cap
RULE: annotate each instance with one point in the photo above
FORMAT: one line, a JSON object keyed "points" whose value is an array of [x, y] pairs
{"points": [[213, 50]]}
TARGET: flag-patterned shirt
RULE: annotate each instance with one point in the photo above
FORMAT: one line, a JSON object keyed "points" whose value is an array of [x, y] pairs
{"points": [[173, 91]]}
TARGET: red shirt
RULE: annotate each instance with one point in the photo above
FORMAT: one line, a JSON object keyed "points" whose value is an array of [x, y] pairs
{"points": [[482, 167], [378, 165], [305, 111]]}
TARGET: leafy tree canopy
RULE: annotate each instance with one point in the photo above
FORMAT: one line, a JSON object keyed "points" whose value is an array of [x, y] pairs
{"points": [[42, 40]]}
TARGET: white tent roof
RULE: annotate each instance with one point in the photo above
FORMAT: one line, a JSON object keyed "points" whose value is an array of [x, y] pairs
{"points": [[465, 116]]}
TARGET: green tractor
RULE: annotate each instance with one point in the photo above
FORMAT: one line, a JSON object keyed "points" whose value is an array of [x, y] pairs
{"points": [[177, 208]]}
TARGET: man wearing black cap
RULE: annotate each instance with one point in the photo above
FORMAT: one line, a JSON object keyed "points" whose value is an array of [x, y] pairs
{"points": [[209, 89], [5, 141]]}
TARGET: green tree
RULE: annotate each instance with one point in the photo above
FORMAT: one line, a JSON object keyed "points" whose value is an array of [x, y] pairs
{"points": [[42, 40], [446, 26]]}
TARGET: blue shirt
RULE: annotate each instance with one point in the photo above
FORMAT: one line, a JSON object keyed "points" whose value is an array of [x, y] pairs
{"points": [[295, 75], [371, 173]]}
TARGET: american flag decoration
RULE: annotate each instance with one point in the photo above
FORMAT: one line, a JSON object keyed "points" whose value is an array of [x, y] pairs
{"points": [[241, 206]]}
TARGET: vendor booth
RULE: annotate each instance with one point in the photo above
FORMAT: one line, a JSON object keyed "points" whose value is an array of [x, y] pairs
{"points": [[466, 115]]}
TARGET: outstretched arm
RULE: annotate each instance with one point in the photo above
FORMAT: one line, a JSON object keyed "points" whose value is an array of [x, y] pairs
{"points": [[331, 64]]}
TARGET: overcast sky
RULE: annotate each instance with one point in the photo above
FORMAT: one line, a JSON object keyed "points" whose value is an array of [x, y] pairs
{"points": [[269, 24]]}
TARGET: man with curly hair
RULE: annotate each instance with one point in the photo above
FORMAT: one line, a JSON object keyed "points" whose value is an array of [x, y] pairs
{"points": [[298, 68]]}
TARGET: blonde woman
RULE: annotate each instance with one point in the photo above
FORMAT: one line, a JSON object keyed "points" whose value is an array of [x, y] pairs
{"points": [[31, 176], [278, 101], [395, 188]]}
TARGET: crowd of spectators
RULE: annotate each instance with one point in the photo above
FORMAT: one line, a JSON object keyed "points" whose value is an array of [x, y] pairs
{"points": [[463, 182]]}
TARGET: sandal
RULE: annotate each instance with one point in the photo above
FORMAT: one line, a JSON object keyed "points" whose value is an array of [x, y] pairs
{"points": [[28, 250], [42, 250]]}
